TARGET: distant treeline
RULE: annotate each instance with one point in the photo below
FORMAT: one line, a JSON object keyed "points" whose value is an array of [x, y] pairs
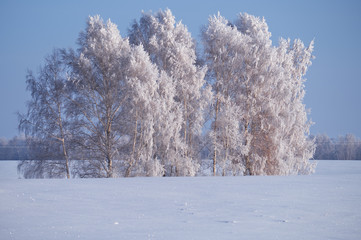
{"points": [[13, 149], [346, 147]]}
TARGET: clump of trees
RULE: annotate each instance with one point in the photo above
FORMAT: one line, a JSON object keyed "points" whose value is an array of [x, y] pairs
{"points": [[150, 105], [258, 94], [346, 147]]}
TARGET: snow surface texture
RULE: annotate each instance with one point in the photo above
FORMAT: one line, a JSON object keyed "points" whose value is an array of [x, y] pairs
{"points": [[326, 205]]}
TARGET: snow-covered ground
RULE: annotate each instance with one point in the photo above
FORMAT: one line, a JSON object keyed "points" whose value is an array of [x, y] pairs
{"points": [[326, 205], [8, 170]]}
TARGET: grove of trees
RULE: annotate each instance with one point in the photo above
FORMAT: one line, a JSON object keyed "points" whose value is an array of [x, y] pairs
{"points": [[346, 147], [149, 104]]}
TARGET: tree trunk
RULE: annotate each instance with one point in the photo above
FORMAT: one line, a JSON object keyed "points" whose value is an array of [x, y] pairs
{"points": [[215, 130], [227, 147], [185, 127], [110, 167], [131, 161], [248, 170], [63, 143], [66, 159], [109, 155]]}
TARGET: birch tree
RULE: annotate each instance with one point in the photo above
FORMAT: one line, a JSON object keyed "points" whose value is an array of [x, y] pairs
{"points": [[45, 124], [115, 103], [226, 138], [98, 83], [294, 60], [267, 86], [222, 46], [172, 49], [141, 110], [277, 115]]}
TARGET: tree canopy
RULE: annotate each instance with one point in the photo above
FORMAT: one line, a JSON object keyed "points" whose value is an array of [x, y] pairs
{"points": [[149, 105]]}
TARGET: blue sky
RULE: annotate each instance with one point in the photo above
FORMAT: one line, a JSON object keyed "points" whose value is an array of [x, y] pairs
{"points": [[29, 30]]}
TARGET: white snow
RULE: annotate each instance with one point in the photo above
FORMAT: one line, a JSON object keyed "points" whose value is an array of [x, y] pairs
{"points": [[326, 205], [8, 170]]}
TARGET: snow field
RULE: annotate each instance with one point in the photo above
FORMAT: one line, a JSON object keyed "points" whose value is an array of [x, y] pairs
{"points": [[322, 206]]}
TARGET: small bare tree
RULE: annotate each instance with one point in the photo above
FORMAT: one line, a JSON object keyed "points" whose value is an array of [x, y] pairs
{"points": [[45, 122]]}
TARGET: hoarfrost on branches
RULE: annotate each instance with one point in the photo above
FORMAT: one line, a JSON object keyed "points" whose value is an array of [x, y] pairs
{"points": [[147, 105], [266, 83], [172, 49]]}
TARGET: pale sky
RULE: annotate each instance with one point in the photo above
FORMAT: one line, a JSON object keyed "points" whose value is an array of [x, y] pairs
{"points": [[29, 30]]}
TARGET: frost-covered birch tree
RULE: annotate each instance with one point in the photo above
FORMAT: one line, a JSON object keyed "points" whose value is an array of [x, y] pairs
{"points": [[258, 96], [168, 142], [226, 137], [172, 49], [267, 87], [45, 124], [297, 148], [223, 56], [98, 84], [140, 115], [114, 105]]}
